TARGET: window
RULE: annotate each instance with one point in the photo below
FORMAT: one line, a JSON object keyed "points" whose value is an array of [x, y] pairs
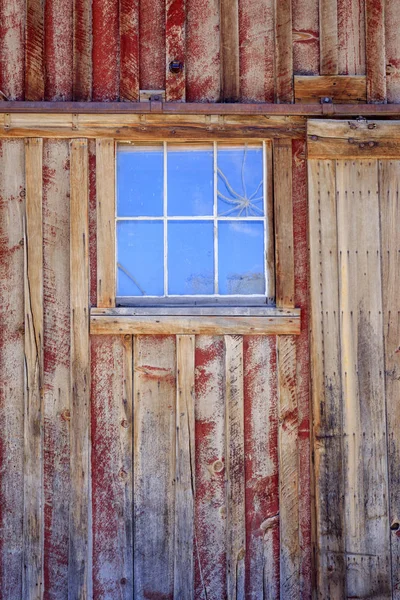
{"points": [[193, 224]]}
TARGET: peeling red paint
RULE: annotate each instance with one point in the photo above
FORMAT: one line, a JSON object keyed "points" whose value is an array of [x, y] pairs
{"points": [[306, 37], [105, 54], [152, 44], [58, 50]]}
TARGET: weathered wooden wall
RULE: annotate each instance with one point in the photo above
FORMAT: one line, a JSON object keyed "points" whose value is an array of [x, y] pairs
{"points": [[242, 50]]}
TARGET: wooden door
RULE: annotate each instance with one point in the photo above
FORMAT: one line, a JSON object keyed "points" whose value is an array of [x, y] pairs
{"points": [[355, 269]]}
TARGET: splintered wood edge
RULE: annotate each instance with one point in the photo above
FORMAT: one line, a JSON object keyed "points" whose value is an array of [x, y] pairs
{"points": [[194, 325]]}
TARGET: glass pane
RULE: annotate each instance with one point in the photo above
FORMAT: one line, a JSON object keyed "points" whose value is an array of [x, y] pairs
{"points": [[190, 180], [140, 181], [140, 251], [190, 257], [240, 181], [241, 257]]}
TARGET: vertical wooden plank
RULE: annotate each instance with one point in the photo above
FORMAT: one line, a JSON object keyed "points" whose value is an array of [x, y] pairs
{"points": [[105, 186], [79, 566], [302, 273], [330, 567], [256, 50], [92, 222], [328, 18], [362, 356], [389, 178], [375, 50], [152, 44], [12, 48], [283, 223], [129, 40], [58, 50], [175, 38], [351, 37], [82, 50], [203, 65], [112, 468], [34, 50], [234, 469], [306, 37], [12, 205], [57, 393], [288, 469], [33, 425], [392, 45], [210, 510], [185, 469], [261, 467], [269, 157], [229, 50], [283, 52], [105, 55], [154, 465]]}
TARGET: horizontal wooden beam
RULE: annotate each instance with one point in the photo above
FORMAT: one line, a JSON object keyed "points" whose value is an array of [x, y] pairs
{"points": [[150, 126], [198, 108], [340, 89], [353, 139], [197, 311], [194, 325]]}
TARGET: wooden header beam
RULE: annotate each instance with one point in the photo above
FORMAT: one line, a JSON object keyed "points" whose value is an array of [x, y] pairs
{"points": [[198, 108]]}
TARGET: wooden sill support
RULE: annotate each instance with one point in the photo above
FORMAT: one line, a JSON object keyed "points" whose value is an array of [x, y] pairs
{"points": [[125, 321]]}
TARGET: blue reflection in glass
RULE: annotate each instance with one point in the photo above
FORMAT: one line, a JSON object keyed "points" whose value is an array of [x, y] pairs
{"points": [[240, 181], [190, 181], [140, 181], [241, 257], [140, 251], [190, 257]]}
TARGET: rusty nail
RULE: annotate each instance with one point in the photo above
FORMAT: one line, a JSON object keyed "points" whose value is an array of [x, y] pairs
{"points": [[362, 145], [351, 140], [21, 242], [314, 138], [66, 415], [124, 581], [218, 466], [371, 144], [125, 423], [175, 66], [371, 125], [22, 194], [122, 474], [127, 337], [353, 126]]}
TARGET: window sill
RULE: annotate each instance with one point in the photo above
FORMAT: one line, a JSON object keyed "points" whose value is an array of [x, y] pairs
{"points": [[195, 321]]}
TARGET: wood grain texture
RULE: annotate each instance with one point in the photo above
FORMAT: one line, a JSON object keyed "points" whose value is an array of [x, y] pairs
{"points": [[152, 47], [185, 469], [203, 61], [302, 275], [57, 391], [79, 566], [152, 127], [129, 57], [234, 469], [210, 508], [112, 472], [389, 178], [154, 465], [101, 325], [284, 263], [330, 566], [32, 583], [256, 51], [351, 37], [12, 384], [34, 50], [12, 49], [305, 37], [105, 186], [58, 55], [392, 46], [283, 52], [328, 18], [288, 469], [375, 50], [105, 50], [362, 363], [261, 467], [352, 139], [82, 50], [341, 89], [229, 40], [175, 40]]}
